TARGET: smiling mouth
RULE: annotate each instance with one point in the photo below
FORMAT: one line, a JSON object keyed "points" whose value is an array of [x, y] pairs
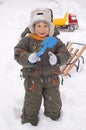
{"points": [[42, 33]]}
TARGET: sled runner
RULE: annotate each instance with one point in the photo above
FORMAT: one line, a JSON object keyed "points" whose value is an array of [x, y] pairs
{"points": [[74, 60]]}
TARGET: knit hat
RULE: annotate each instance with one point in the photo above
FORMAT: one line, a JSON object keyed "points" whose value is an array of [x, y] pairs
{"points": [[39, 15]]}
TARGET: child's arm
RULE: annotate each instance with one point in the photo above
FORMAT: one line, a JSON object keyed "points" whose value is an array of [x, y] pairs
{"points": [[22, 52], [62, 53]]}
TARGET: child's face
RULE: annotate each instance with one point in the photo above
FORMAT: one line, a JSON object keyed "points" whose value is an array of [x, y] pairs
{"points": [[41, 29]]}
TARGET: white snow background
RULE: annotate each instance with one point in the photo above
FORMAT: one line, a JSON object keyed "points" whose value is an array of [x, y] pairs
{"points": [[14, 17]]}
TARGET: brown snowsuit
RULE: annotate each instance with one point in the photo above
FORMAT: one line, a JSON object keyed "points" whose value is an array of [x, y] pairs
{"points": [[41, 79]]}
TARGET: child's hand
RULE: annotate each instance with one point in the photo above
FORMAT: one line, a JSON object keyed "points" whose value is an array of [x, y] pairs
{"points": [[33, 58], [52, 58]]}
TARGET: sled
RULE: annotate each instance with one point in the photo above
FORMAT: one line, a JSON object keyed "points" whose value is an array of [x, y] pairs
{"points": [[76, 54]]}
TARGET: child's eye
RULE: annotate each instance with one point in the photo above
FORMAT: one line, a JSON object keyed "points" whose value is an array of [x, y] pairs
{"points": [[45, 25], [38, 26]]}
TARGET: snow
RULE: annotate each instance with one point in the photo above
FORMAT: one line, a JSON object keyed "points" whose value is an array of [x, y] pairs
{"points": [[14, 17]]}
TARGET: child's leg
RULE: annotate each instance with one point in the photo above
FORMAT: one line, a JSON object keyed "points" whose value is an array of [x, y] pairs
{"points": [[32, 101], [52, 100]]}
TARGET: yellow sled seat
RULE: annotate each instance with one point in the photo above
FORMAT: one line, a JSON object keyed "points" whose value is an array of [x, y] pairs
{"points": [[60, 21]]}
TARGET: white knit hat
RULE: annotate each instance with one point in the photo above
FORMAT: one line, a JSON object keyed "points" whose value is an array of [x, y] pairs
{"points": [[38, 15]]}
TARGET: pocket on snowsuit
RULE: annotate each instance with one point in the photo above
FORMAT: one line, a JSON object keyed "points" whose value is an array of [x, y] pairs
{"points": [[29, 84], [55, 80]]}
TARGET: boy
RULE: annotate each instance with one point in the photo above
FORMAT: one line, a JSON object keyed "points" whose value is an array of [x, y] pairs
{"points": [[41, 72]]}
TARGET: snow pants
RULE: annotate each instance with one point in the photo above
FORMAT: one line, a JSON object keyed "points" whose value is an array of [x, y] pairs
{"points": [[35, 89]]}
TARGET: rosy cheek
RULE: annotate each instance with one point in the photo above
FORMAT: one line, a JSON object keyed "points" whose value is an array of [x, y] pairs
{"points": [[35, 30]]}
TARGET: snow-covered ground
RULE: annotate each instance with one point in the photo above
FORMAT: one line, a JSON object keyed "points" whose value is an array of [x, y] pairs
{"points": [[14, 17]]}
